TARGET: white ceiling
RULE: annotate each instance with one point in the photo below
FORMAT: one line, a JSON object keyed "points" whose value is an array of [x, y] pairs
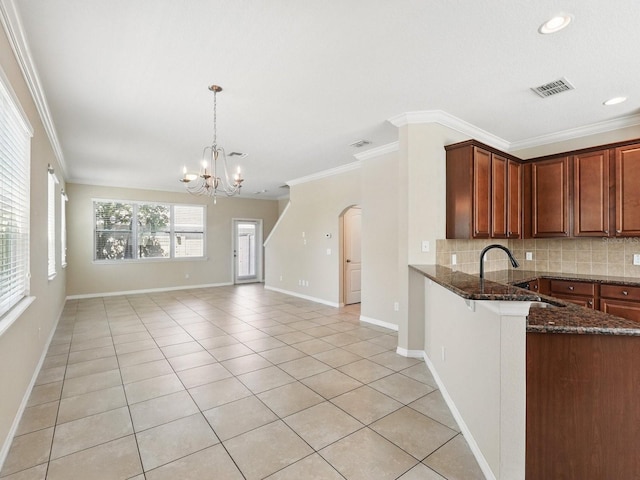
{"points": [[126, 81]]}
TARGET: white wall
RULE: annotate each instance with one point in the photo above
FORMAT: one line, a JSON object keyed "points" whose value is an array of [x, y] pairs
{"points": [[23, 344], [85, 277], [314, 211]]}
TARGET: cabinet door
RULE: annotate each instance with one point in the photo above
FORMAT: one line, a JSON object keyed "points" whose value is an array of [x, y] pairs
{"points": [[628, 191], [550, 198], [591, 194], [499, 196], [628, 310], [514, 196], [481, 193]]}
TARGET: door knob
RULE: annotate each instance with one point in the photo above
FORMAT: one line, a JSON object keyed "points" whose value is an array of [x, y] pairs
{"points": [[348, 261]]}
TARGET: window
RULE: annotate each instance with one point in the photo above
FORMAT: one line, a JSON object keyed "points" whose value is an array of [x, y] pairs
{"points": [[51, 223], [63, 228], [141, 231], [15, 153]]}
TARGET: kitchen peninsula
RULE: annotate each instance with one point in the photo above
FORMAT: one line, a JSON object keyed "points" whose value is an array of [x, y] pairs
{"points": [[541, 387]]}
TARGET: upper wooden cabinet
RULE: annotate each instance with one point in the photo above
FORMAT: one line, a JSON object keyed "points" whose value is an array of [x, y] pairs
{"points": [[506, 197], [550, 198], [591, 194], [483, 192], [627, 190]]}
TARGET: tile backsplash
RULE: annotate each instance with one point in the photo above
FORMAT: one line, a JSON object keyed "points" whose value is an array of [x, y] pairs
{"points": [[595, 256]]}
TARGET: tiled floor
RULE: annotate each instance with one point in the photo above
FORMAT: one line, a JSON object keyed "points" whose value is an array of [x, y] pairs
{"points": [[231, 383]]}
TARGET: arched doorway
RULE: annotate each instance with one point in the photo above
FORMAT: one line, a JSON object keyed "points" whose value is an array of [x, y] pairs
{"points": [[351, 257]]}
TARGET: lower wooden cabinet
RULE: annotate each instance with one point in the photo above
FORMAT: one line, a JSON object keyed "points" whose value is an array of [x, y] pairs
{"points": [[614, 299], [583, 417]]}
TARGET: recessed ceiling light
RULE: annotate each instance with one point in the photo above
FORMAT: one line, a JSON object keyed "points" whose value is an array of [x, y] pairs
{"points": [[555, 24], [614, 101]]}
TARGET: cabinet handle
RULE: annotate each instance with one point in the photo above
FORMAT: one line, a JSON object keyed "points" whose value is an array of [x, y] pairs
{"points": [[535, 287], [618, 231], [571, 288], [590, 302], [624, 292], [606, 232]]}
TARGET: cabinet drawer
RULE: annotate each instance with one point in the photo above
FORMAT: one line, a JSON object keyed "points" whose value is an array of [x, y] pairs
{"points": [[621, 292], [572, 288], [587, 302]]}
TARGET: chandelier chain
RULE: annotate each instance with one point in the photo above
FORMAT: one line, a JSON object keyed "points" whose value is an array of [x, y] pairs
{"points": [[215, 117]]}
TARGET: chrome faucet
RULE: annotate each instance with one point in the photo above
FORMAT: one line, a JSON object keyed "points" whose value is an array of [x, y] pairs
{"points": [[514, 262]]}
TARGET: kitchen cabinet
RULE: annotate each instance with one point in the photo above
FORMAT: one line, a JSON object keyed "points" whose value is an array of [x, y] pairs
{"points": [[582, 414], [620, 300], [506, 197], [484, 192], [550, 197], [627, 193], [579, 293], [591, 194]]}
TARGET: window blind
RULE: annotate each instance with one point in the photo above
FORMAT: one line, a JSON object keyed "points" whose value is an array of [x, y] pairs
{"points": [[15, 152], [63, 228], [51, 223]]}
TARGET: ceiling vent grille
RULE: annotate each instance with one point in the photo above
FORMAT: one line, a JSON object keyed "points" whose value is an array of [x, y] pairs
{"points": [[553, 88], [359, 143]]}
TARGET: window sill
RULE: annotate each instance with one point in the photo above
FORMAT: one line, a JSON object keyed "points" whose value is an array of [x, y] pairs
{"points": [[12, 315], [150, 260]]}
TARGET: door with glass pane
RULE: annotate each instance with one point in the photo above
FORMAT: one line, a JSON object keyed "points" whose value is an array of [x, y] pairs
{"points": [[247, 249]]}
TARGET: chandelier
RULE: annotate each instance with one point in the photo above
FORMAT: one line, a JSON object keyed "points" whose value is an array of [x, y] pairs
{"points": [[212, 177]]}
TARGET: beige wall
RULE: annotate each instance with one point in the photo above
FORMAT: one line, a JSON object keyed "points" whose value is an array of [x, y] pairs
{"points": [[314, 211], [86, 277], [23, 344], [380, 236]]}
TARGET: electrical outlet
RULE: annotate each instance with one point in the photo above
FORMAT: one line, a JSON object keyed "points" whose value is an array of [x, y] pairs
{"points": [[454, 259], [528, 256], [636, 258], [444, 356], [328, 251], [186, 275], [396, 306], [425, 245], [280, 277]]}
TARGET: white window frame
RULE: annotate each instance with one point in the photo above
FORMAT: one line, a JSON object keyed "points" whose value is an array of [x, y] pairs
{"points": [[63, 228], [52, 181], [134, 233], [15, 155]]}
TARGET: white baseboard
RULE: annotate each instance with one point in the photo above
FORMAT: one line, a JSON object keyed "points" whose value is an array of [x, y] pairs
{"points": [[300, 295], [410, 353], [473, 445], [6, 445], [147, 290], [379, 323]]}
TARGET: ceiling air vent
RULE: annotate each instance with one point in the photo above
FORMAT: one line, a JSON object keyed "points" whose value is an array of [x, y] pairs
{"points": [[360, 143], [553, 88]]}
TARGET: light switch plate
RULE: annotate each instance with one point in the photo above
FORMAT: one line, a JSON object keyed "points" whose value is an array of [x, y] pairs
{"points": [[636, 258], [454, 259], [425, 245], [528, 256]]}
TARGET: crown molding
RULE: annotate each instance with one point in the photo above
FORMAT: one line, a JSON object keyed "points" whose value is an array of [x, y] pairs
{"points": [[378, 151], [586, 130], [326, 173], [448, 120], [15, 33]]}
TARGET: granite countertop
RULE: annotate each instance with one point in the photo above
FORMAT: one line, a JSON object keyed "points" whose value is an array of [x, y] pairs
{"points": [[561, 317]]}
